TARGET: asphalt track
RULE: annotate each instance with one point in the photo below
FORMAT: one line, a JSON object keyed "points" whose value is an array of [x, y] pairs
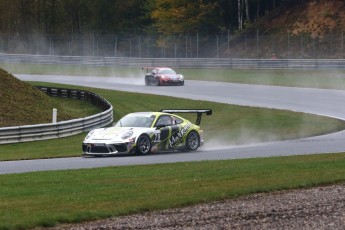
{"points": [[316, 101]]}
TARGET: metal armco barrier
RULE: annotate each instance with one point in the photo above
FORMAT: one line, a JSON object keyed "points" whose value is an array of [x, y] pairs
{"points": [[26, 133], [232, 63]]}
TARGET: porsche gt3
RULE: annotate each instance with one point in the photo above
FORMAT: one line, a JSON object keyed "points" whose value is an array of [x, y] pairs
{"points": [[163, 76], [147, 132]]}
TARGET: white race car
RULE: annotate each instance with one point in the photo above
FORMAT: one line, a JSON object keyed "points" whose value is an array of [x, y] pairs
{"points": [[145, 132]]}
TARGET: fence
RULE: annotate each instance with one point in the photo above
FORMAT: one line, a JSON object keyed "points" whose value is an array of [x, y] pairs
{"points": [[254, 45], [64, 128], [233, 63]]}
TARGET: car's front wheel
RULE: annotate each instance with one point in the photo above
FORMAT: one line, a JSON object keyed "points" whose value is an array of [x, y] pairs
{"points": [[193, 141], [158, 82], [143, 145]]}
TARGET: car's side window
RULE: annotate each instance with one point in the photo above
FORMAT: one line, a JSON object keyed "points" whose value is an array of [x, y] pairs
{"points": [[178, 120], [166, 120], [163, 121]]}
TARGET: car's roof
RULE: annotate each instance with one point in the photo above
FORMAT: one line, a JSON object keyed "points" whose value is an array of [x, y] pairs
{"points": [[150, 113], [157, 114], [162, 68], [156, 67]]}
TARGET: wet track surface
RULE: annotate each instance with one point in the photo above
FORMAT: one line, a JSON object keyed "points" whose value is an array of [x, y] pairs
{"points": [[317, 101]]}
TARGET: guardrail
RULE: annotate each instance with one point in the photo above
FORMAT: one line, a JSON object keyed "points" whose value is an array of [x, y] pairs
{"points": [[233, 63], [26, 133]]}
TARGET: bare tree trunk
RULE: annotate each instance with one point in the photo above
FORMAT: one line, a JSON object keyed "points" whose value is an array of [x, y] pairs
{"points": [[53, 26], [13, 17], [239, 12], [38, 15], [258, 9], [247, 11]]}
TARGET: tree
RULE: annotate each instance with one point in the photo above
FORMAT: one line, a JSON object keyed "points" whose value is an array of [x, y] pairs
{"points": [[131, 16], [172, 17], [243, 9], [239, 15]]}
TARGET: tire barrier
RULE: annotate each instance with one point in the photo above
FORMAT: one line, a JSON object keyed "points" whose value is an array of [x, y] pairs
{"points": [[60, 129]]}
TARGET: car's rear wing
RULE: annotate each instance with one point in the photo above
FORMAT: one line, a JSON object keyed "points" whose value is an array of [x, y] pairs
{"points": [[147, 68], [199, 112]]}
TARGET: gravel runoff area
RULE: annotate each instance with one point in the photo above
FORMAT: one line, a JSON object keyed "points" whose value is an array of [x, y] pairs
{"points": [[314, 208]]}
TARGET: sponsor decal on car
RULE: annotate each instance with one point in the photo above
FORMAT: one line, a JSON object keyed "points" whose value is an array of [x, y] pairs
{"points": [[176, 137]]}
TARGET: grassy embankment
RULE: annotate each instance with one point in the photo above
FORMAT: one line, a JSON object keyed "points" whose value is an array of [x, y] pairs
{"points": [[22, 104]]}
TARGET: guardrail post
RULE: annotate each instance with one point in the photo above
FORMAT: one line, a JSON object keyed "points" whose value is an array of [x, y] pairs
{"points": [[54, 116]]}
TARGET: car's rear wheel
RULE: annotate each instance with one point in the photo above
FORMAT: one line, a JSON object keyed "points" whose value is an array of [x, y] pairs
{"points": [[193, 141], [147, 82], [143, 145]]}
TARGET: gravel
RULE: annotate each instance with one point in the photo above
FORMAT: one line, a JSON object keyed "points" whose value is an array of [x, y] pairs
{"points": [[314, 208]]}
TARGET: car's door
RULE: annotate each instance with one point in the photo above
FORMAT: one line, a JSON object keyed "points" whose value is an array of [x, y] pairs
{"points": [[153, 76], [169, 134]]}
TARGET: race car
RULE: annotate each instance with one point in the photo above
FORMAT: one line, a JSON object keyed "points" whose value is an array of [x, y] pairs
{"points": [[147, 132], [162, 76]]}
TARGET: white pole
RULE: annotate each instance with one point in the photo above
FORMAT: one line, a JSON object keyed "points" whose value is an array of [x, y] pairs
{"points": [[54, 116], [197, 45]]}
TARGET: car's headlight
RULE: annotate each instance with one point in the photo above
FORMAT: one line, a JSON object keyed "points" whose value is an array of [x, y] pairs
{"points": [[127, 134], [181, 76], [89, 134]]}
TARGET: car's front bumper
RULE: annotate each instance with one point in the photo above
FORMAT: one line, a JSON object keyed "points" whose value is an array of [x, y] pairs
{"points": [[99, 149], [171, 82]]}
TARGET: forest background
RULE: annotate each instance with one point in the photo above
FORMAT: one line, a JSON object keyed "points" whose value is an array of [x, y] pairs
{"points": [[131, 16], [174, 28]]}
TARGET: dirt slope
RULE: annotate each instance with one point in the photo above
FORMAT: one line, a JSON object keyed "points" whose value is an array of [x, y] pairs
{"points": [[314, 17], [299, 29], [22, 104]]}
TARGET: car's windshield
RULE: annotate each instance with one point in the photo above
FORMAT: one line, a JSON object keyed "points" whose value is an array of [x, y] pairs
{"points": [[167, 71], [135, 120]]}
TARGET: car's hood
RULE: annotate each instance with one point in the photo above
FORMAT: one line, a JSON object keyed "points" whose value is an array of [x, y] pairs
{"points": [[109, 133], [172, 76], [114, 133]]}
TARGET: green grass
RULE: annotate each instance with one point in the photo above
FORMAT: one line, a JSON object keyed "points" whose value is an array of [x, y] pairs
{"points": [[48, 198], [77, 108], [43, 199], [62, 147], [327, 79], [71, 70], [228, 125], [330, 79]]}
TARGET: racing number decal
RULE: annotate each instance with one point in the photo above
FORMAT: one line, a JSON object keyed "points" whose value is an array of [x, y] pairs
{"points": [[157, 137]]}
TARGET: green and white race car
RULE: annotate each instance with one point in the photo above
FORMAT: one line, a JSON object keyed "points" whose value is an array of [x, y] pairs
{"points": [[145, 132]]}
